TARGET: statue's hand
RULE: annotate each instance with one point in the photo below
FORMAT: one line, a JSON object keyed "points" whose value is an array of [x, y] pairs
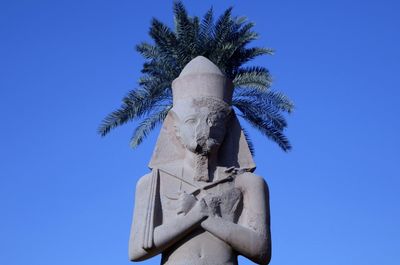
{"points": [[225, 204], [201, 208], [213, 204], [185, 203]]}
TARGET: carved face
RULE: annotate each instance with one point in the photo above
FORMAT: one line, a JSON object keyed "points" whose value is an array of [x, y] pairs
{"points": [[201, 124]]}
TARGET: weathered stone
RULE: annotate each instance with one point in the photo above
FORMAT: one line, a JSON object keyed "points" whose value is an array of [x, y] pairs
{"points": [[201, 204]]}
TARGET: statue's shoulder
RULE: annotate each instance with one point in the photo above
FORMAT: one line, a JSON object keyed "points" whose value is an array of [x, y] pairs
{"points": [[249, 180], [143, 181]]}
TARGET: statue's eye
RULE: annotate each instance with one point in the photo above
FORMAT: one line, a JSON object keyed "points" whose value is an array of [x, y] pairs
{"points": [[190, 120]]}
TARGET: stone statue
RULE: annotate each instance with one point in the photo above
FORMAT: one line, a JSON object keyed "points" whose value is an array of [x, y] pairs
{"points": [[201, 204]]}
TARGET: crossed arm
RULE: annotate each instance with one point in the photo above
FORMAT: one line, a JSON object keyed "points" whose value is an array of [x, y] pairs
{"points": [[250, 237], [166, 234]]}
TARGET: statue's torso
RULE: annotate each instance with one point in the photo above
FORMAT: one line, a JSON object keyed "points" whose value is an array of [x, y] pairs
{"points": [[199, 247]]}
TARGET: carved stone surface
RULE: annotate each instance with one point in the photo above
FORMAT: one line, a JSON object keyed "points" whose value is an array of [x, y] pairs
{"points": [[201, 204]]}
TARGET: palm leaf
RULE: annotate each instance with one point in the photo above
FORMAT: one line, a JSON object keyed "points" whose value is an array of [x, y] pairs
{"points": [[256, 77], [244, 55], [265, 111], [148, 51], [115, 119], [264, 126], [147, 125], [249, 142], [206, 32], [274, 99], [164, 37]]}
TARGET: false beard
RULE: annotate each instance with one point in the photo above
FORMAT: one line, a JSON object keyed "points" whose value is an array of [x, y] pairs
{"points": [[201, 168]]}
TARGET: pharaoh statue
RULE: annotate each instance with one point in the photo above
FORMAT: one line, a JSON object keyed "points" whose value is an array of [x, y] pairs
{"points": [[201, 204]]}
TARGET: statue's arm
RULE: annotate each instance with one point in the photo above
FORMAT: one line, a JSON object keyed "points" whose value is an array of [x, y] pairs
{"points": [[136, 240], [178, 227], [166, 234], [250, 237]]}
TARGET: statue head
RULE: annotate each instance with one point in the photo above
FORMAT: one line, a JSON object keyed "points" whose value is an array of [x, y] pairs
{"points": [[202, 120], [201, 106], [200, 124]]}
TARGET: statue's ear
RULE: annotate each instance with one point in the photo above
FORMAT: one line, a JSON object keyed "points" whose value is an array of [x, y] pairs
{"points": [[174, 117], [168, 148]]}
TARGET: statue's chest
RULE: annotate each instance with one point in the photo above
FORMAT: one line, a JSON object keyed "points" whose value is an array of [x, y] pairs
{"points": [[222, 197]]}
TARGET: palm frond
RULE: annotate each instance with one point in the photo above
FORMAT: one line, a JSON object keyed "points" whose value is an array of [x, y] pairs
{"points": [[147, 125], [249, 142], [256, 77], [266, 127], [162, 68], [164, 37], [115, 119], [244, 35], [206, 32], [222, 29], [148, 51], [181, 18], [135, 104], [262, 110], [244, 55], [272, 98], [186, 31], [154, 85]]}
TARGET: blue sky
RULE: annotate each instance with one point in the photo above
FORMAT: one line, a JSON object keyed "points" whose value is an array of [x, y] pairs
{"points": [[66, 195]]}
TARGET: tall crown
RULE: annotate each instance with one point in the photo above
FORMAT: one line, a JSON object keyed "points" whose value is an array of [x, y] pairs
{"points": [[202, 78]]}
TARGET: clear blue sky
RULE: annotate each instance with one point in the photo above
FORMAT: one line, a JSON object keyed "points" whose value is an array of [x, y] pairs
{"points": [[66, 195]]}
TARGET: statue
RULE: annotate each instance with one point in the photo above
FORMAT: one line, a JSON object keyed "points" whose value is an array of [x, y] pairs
{"points": [[201, 204]]}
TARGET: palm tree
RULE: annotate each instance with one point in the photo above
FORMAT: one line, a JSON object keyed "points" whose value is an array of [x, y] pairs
{"points": [[225, 43]]}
